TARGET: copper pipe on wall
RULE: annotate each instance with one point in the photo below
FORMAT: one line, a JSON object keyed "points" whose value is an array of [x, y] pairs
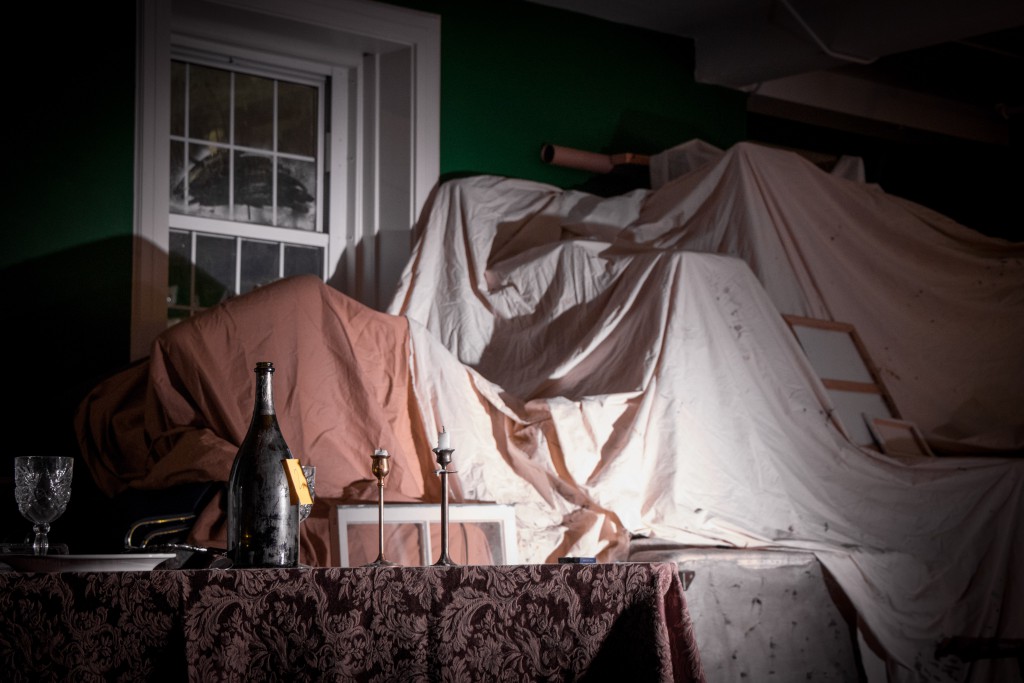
{"points": [[576, 158], [579, 159]]}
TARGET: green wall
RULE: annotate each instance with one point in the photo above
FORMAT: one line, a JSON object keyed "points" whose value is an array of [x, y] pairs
{"points": [[517, 75], [66, 262], [65, 269], [71, 137]]}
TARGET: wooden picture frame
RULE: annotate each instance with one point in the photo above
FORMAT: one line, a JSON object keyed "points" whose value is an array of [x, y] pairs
{"points": [[898, 438], [838, 355], [480, 533]]}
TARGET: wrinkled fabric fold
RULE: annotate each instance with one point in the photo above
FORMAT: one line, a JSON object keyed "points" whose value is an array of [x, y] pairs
{"points": [[627, 358]]}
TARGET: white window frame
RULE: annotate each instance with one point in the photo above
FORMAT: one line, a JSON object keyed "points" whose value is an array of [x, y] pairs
{"points": [[204, 53], [369, 240]]}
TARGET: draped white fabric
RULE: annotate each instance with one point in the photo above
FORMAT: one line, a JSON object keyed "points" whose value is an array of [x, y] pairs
{"points": [[619, 366]]}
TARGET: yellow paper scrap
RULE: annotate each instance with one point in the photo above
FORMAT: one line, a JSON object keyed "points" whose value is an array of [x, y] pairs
{"points": [[298, 487]]}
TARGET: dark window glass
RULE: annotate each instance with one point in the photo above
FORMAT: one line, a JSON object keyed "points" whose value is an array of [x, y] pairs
{"points": [[303, 260], [260, 264], [215, 269]]}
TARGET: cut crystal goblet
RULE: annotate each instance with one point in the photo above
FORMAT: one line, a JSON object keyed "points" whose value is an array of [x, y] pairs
{"points": [[42, 487]]}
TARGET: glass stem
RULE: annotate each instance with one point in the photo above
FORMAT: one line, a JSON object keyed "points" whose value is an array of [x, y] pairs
{"points": [[41, 544]]}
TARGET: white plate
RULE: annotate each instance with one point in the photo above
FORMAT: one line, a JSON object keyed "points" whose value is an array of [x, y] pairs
{"points": [[125, 562]]}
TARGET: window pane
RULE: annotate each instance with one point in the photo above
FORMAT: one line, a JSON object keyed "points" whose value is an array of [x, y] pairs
{"points": [[179, 269], [297, 114], [303, 260], [215, 269], [254, 112], [209, 103], [208, 181], [218, 174], [177, 98], [178, 204], [254, 186], [296, 187], [260, 264]]}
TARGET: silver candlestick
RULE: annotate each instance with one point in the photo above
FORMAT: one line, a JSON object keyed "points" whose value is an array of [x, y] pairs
{"points": [[443, 453]]}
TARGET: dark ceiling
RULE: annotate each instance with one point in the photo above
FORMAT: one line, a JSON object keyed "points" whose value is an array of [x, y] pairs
{"points": [[929, 93], [985, 70], [955, 67]]}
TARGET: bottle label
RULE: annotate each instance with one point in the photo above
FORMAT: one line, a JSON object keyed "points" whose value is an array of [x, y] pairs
{"points": [[298, 487]]}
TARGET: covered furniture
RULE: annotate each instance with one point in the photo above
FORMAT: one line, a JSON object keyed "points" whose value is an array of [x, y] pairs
{"points": [[342, 389], [646, 383]]}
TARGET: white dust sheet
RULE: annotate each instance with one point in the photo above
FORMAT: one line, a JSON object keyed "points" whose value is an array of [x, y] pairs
{"points": [[619, 366]]}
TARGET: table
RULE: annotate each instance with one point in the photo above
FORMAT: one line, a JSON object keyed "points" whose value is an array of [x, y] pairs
{"points": [[622, 621]]}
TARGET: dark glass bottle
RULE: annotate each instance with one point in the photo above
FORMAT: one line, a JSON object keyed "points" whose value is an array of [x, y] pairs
{"points": [[262, 521]]}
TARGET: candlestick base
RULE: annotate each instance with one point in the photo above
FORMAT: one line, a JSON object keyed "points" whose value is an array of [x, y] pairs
{"points": [[381, 562]]}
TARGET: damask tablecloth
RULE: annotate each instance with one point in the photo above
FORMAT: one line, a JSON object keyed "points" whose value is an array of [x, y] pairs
{"points": [[601, 622]]}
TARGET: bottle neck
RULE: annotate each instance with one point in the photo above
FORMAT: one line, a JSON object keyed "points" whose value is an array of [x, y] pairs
{"points": [[264, 391]]}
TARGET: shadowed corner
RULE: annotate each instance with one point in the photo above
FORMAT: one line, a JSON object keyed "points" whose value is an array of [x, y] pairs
{"points": [[635, 632]]}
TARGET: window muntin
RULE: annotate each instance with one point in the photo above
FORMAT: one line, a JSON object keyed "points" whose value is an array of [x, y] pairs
{"points": [[244, 146], [206, 269], [245, 181]]}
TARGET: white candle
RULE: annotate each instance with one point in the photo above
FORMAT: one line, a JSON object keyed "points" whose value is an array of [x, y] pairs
{"points": [[444, 439]]}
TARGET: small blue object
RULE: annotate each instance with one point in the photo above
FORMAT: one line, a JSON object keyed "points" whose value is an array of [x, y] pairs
{"points": [[577, 560]]}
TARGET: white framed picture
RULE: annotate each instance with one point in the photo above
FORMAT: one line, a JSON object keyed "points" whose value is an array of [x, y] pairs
{"points": [[478, 533]]}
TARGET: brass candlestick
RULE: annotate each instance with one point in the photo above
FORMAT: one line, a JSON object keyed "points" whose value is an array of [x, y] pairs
{"points": [[381, 467], [443, 453]]}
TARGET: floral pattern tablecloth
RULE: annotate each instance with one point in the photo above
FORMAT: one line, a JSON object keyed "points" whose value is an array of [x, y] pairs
{"points": [[614, 622]]}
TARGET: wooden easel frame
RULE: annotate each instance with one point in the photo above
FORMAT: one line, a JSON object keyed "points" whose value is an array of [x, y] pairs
{"points": [[845, 368]]}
